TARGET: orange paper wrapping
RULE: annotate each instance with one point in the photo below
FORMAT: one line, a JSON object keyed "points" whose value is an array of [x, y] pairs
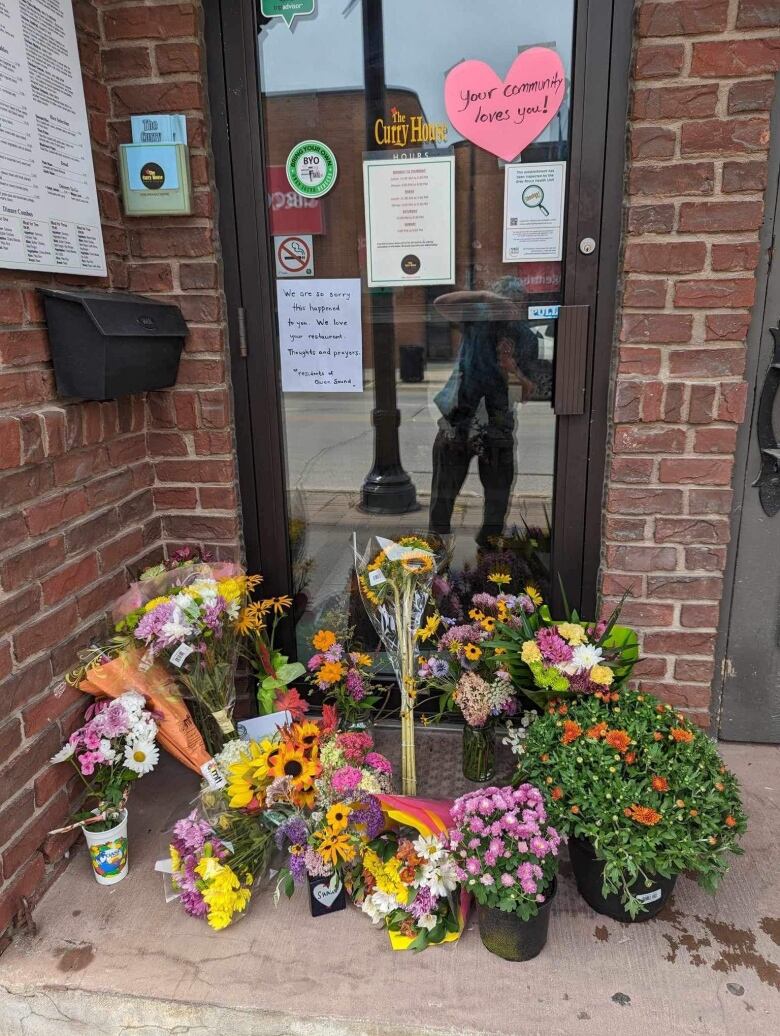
{"points": [[177, 732]]}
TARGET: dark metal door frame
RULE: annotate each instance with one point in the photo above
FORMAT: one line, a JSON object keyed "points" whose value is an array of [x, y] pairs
{"points": [[602, 51]]}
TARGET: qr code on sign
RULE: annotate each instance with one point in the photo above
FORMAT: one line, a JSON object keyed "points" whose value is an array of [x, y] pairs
{"points": [[513, 221]]}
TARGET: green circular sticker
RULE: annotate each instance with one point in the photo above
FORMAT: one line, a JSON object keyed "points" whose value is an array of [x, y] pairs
{"points": [[311, 168]]}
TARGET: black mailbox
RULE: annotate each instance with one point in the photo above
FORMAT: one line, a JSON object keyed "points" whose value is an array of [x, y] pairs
{"points": [[108, 344]]}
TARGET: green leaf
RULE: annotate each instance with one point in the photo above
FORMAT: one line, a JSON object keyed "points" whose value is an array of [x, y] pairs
{"points": [[290, 671]]}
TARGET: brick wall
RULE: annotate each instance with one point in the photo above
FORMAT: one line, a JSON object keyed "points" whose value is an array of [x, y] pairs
{"points": [[91, 491], [699, 134]]}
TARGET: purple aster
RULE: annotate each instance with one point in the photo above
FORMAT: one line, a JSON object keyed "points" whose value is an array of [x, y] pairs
{"points": [[212, 614], [152, 622], [292, 831], [190, 833], [194, 903], [297, 864], [368, 812], [438, 667], [423, 902]]}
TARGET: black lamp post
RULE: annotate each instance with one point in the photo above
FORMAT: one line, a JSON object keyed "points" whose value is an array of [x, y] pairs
{"points": [[387, 488]]}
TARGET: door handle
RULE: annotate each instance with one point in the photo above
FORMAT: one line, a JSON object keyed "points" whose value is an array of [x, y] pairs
{"points": [[768, 481], [571, 361]]}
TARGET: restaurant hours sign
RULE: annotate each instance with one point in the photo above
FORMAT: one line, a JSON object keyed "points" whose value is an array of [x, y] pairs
{"points": [[49, 216]]}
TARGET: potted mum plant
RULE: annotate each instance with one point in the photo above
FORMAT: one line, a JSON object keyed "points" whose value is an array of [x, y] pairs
{"points": [[509, 854], [642, 793], [115, 747], [472, 678]]}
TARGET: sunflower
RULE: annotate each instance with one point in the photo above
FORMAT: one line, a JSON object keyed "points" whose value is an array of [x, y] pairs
{"points": [[500, 578], [323, 640], [334, 846], [291, 761], [472, 652], [338, 816], [306, 735], [427, 631], [536, 597], [417, 562]]}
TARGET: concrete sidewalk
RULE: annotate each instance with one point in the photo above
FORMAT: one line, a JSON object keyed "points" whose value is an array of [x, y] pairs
{"points": [[119, 960]]}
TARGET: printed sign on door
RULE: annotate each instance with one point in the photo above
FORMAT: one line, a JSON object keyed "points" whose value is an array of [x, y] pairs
{"points": [[294, 256]]}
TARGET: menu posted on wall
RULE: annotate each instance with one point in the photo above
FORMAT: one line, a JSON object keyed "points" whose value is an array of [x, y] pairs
{"points": [[49, 216], [410, 220], [320, 334]]}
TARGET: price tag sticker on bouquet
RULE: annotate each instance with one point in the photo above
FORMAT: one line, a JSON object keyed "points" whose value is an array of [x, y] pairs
{"points": [[180, 655], [212, 776]]}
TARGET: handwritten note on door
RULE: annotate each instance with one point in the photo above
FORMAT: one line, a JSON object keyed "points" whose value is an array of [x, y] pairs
{"points": [[320, 335]]}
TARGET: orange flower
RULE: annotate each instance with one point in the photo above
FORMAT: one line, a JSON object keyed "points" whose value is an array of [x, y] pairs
{"points": [[330, 672], [614, 696], [720, 787], [562, 710], [597, 730], [644, 815], [679, 803], [618, 739], [712, 840], [658, 736], [557, 793], [730, 821], [694, 812], [660, 784], [575, 809], [323, 640], [630, 757], [680, 734], [544, 757], [571, 731]]}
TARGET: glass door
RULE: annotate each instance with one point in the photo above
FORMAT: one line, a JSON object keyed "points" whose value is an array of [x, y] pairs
{"points": [[418, 280]]}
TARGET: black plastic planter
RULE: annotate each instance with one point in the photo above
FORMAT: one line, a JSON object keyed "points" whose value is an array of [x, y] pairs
{"points": [[324, 899], [589, 875], [109, 344], [508, 936]]}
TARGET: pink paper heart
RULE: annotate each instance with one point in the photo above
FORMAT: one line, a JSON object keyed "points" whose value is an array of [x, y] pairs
{"points": [[504, 115]]}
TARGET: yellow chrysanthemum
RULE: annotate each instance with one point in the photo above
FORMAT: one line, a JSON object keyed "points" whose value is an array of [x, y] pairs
{"points": [[572, 633], [536, 597], [175, 857], [530, 652], [232, 589], [602, 674], [151, 605]]}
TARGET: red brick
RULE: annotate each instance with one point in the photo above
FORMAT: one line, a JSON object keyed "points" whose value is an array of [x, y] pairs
{"points": [[751, 95], [625, 530], [652, 142], [6, 659], [35, 834], [641, 559], [100, 596], [691, 530], [200, 528], [651, 219], [720, 216], [715, 293], [18, 348], [741, 57], [126, 63], [201, 372], [213, 442], [177, 57], [694, 669], [14, 814], [731, 406], [758, 14], [666, 257], [159, 22], [676, 102], [632, 469], [121, 550], [81, 465], [682, 17], [47, 710], [683, 696], [205, 339], [645, 613], [655, 61], [645, 501], [10, 737], [195, 471], [673, 179], [92, 532], [680, 643], [737, 255], [615, 585], [29, 564], [706, 559], [11, 306], [648, 439], [25, 765], [741, 177], [700, 616], [40, 635], [214, 409], [24, 684], [20, 387], [639, 361], [682, 470], [58, 510], [167, 444], [110, 489], [16, 609], [724, 137], [153, 277], [172, 96], [726, 327], [715, 440], [70, 579], [650, 667], [135, 509], [674, 401], [644, 294], [661, 328], [27, 881], [179, 499], [53, 779], [707, 363], [197, 276], [12, 530], [709, 501], [10, 443], [169, 241]]}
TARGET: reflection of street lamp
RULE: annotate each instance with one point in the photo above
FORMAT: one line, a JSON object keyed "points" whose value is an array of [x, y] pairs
{"points": [[387, 488]]}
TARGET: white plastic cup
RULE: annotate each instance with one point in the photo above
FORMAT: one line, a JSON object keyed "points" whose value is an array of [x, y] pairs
{"points": [[108, 852]]}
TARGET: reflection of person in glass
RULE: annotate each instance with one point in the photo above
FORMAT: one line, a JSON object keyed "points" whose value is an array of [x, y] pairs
{"points": [[476, 403]]}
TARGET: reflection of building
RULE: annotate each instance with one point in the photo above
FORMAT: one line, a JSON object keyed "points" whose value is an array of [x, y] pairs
{"points": [[340, 116]]}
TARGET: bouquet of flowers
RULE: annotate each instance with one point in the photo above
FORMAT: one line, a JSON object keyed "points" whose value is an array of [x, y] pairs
{"points": [[641, 783], [549, 658], [194, 627], [407, 883], [115, 747], [395, 584], [344, 677], [506, 847], [257, 623]]}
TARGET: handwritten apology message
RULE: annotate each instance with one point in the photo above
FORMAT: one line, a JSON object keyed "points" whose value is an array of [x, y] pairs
{"points": [[320, 335], [504, 115]]}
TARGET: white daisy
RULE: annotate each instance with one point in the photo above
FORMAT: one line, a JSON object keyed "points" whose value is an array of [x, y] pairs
{"points": [[585, 656], [428, 849], [378, 905], [105, 749], [428, 921], [440, 878], [142, 757], [64, 753]]}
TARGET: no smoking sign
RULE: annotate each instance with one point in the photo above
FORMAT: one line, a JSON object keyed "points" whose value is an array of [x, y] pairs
{"points": [[294, 256]]}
